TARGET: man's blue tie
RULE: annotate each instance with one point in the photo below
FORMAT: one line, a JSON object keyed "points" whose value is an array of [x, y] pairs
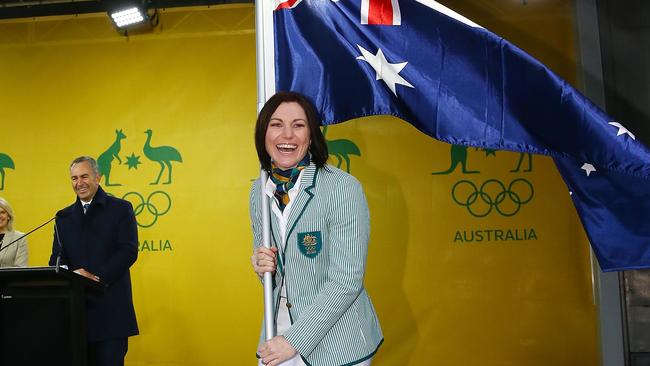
{"points": [[86, 205]]}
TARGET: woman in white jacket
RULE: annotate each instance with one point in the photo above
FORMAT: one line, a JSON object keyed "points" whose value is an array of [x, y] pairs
{"points": [[16, 254]]}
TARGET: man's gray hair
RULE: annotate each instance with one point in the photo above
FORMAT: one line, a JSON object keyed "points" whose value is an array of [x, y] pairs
{"points": [[89, 160]]}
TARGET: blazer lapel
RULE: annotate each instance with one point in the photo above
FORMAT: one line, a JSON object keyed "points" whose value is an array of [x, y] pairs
{"points": [[9, 237], [5, 241], [276, 239], [307, 183]]}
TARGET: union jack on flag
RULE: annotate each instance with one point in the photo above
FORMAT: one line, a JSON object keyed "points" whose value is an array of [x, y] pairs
{"points": [[378, 12], [459, 83]]}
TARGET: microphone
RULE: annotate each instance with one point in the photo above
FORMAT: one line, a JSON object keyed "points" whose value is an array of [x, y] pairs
{"points": [[58, 240], [24, 235]]}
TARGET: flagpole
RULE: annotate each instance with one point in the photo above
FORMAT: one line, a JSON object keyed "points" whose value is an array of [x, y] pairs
{"points": [[265, 88]]}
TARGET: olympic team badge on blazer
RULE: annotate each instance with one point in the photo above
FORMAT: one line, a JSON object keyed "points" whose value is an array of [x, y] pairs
{"points": [[310, 243]]}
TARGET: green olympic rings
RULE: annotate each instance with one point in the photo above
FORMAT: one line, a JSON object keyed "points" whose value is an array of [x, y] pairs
{"points": [[142, 204], [493, 194]]}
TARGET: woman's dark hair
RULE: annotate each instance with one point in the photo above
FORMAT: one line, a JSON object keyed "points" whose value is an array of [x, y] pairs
{"points": [[317, 148]]}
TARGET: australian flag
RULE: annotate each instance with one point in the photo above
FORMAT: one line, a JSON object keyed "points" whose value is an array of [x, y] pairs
{"points": [[459, 83]]}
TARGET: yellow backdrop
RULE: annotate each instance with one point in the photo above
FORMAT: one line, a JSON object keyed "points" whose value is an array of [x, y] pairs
{"points": [[453, 283]]}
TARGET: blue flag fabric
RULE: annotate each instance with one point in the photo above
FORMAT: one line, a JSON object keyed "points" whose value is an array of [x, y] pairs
{"points": [[462, 84]]}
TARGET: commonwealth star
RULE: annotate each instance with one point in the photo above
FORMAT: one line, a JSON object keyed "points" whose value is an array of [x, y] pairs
{"points": [[133, 161], [622, 130], [384, 69], [588, 168]]}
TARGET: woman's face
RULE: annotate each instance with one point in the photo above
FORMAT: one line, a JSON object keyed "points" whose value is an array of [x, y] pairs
{"points": [[287, 135], [4, 220]]}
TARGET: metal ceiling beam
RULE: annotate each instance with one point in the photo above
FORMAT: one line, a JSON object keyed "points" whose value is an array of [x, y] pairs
{"points": [[34, 8]]}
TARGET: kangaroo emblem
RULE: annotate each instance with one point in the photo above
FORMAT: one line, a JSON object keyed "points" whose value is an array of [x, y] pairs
{"points": [[162, 155], [521, 159], [341, 149], [5, 162], [458, 156], [105, 160]]}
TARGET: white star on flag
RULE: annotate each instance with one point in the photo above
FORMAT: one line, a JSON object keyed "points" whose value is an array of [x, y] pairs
{"points": [[588, 168], [622, 130], [385, 70]]}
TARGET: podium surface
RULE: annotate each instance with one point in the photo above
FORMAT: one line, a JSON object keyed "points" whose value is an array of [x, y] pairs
{"points": [[43, 316]]}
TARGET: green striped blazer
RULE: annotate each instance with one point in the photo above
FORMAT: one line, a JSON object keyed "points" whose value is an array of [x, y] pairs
{"points": [[323, 262]]}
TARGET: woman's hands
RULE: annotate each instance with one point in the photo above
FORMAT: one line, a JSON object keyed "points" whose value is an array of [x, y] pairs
{"points": [[276, 351], [263, 260]]}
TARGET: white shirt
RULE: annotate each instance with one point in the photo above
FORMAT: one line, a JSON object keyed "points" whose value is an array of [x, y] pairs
{"points": [[85, 203], [283, 216]]}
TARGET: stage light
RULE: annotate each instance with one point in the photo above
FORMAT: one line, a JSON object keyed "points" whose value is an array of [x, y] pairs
{"points": [[126, 17], [131, 15]]}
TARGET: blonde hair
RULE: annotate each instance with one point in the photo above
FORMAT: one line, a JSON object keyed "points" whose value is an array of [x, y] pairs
{"points": [[7, 207]]}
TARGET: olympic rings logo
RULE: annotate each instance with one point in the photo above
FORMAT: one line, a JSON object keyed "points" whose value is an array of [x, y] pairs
{"points": [[157, 204], [492, 194]]}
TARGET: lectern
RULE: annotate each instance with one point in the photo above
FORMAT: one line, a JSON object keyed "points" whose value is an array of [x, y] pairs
{"points": [[43, 316]]}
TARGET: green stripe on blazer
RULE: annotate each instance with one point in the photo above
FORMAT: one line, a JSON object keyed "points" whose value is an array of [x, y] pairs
{"points": [[333, 320]]}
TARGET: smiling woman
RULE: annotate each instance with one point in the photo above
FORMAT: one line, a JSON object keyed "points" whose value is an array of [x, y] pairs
{"points": [[295, 111], [318, 256], [287, 135], [16, 254]]}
